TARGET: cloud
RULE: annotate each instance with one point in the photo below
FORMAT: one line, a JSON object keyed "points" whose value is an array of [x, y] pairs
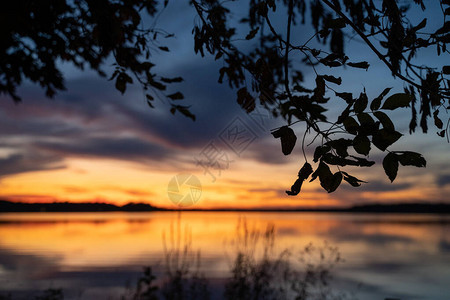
{"points": [[378, 186], [117, 148], [20, 163], [443, 180]]}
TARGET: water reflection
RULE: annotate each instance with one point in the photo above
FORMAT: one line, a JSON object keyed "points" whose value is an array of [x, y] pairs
{"points": [[88, 255]]}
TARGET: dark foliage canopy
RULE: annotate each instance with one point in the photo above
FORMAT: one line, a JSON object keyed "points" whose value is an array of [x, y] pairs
{"points": [[262, 65]]}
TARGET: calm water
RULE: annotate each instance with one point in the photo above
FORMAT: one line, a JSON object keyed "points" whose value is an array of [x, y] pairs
{"points": [[96, 255]]}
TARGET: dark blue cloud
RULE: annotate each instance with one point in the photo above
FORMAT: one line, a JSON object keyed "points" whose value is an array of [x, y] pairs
{"points": [[378, 186], [118, 148], [443, 180], [20, 163]]}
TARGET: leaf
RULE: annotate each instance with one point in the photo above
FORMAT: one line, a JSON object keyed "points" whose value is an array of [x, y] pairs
{"points": [[121, 85], [409, 158], [245, 100], [353, 181], [361, 144], [390, 166], [340, 145], [121, 82], [330, 63], [444, 29], [351, 125], [437, 122], [303, 174], [149, 100], [333, 79], [322, 170], [319, 151], [320, 86], [252, 34], [365, 120], [385, 138], [446, 70], [170, 80], [361, 103], [335, 181], [164, 48], [348, 97], [385, 120], [328, 181], [176, 96], [397, 100], [376, 103], [360, 65], [157, 85], [288, 139], [336, 23], [421, 25], [184, 110]]}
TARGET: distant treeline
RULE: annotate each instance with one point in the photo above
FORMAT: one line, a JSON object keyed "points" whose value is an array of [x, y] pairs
{"points": [[8, 206], [430, 208]]}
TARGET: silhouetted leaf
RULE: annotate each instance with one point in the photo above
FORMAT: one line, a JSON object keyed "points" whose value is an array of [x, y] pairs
{"points": [[409, 158], [353, 181], [348, 97], [333, 79], [149, 100], [421, 25], [365, 119], [322, 170], [330, 63], [184, 110], [336, 23], [361, 144], [303, 174], [385, 120], [288, 139], [252, 34], [384, 138], [397, 100], [332, 159], [361, 103], [320, 86], [164, 48], [351, 125], [319, 151], [446, 70], [340, 145], [444, 29], [122, 80], [328, 181], [245, 100], [335, 181], [361, 65], [176, 96], [437, 122], [170, 80], [376, 103], [390, 166]]}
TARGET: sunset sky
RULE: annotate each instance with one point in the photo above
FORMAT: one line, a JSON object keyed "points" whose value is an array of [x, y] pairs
{"points": [[90, 143]]}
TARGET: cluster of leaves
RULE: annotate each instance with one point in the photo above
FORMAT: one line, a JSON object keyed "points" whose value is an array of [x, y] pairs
{"points": [[261, 64], [85, 33], [277, 82], [364, 128]]}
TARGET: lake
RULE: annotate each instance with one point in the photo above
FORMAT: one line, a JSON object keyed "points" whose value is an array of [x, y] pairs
{"points": [[102, 255]]}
